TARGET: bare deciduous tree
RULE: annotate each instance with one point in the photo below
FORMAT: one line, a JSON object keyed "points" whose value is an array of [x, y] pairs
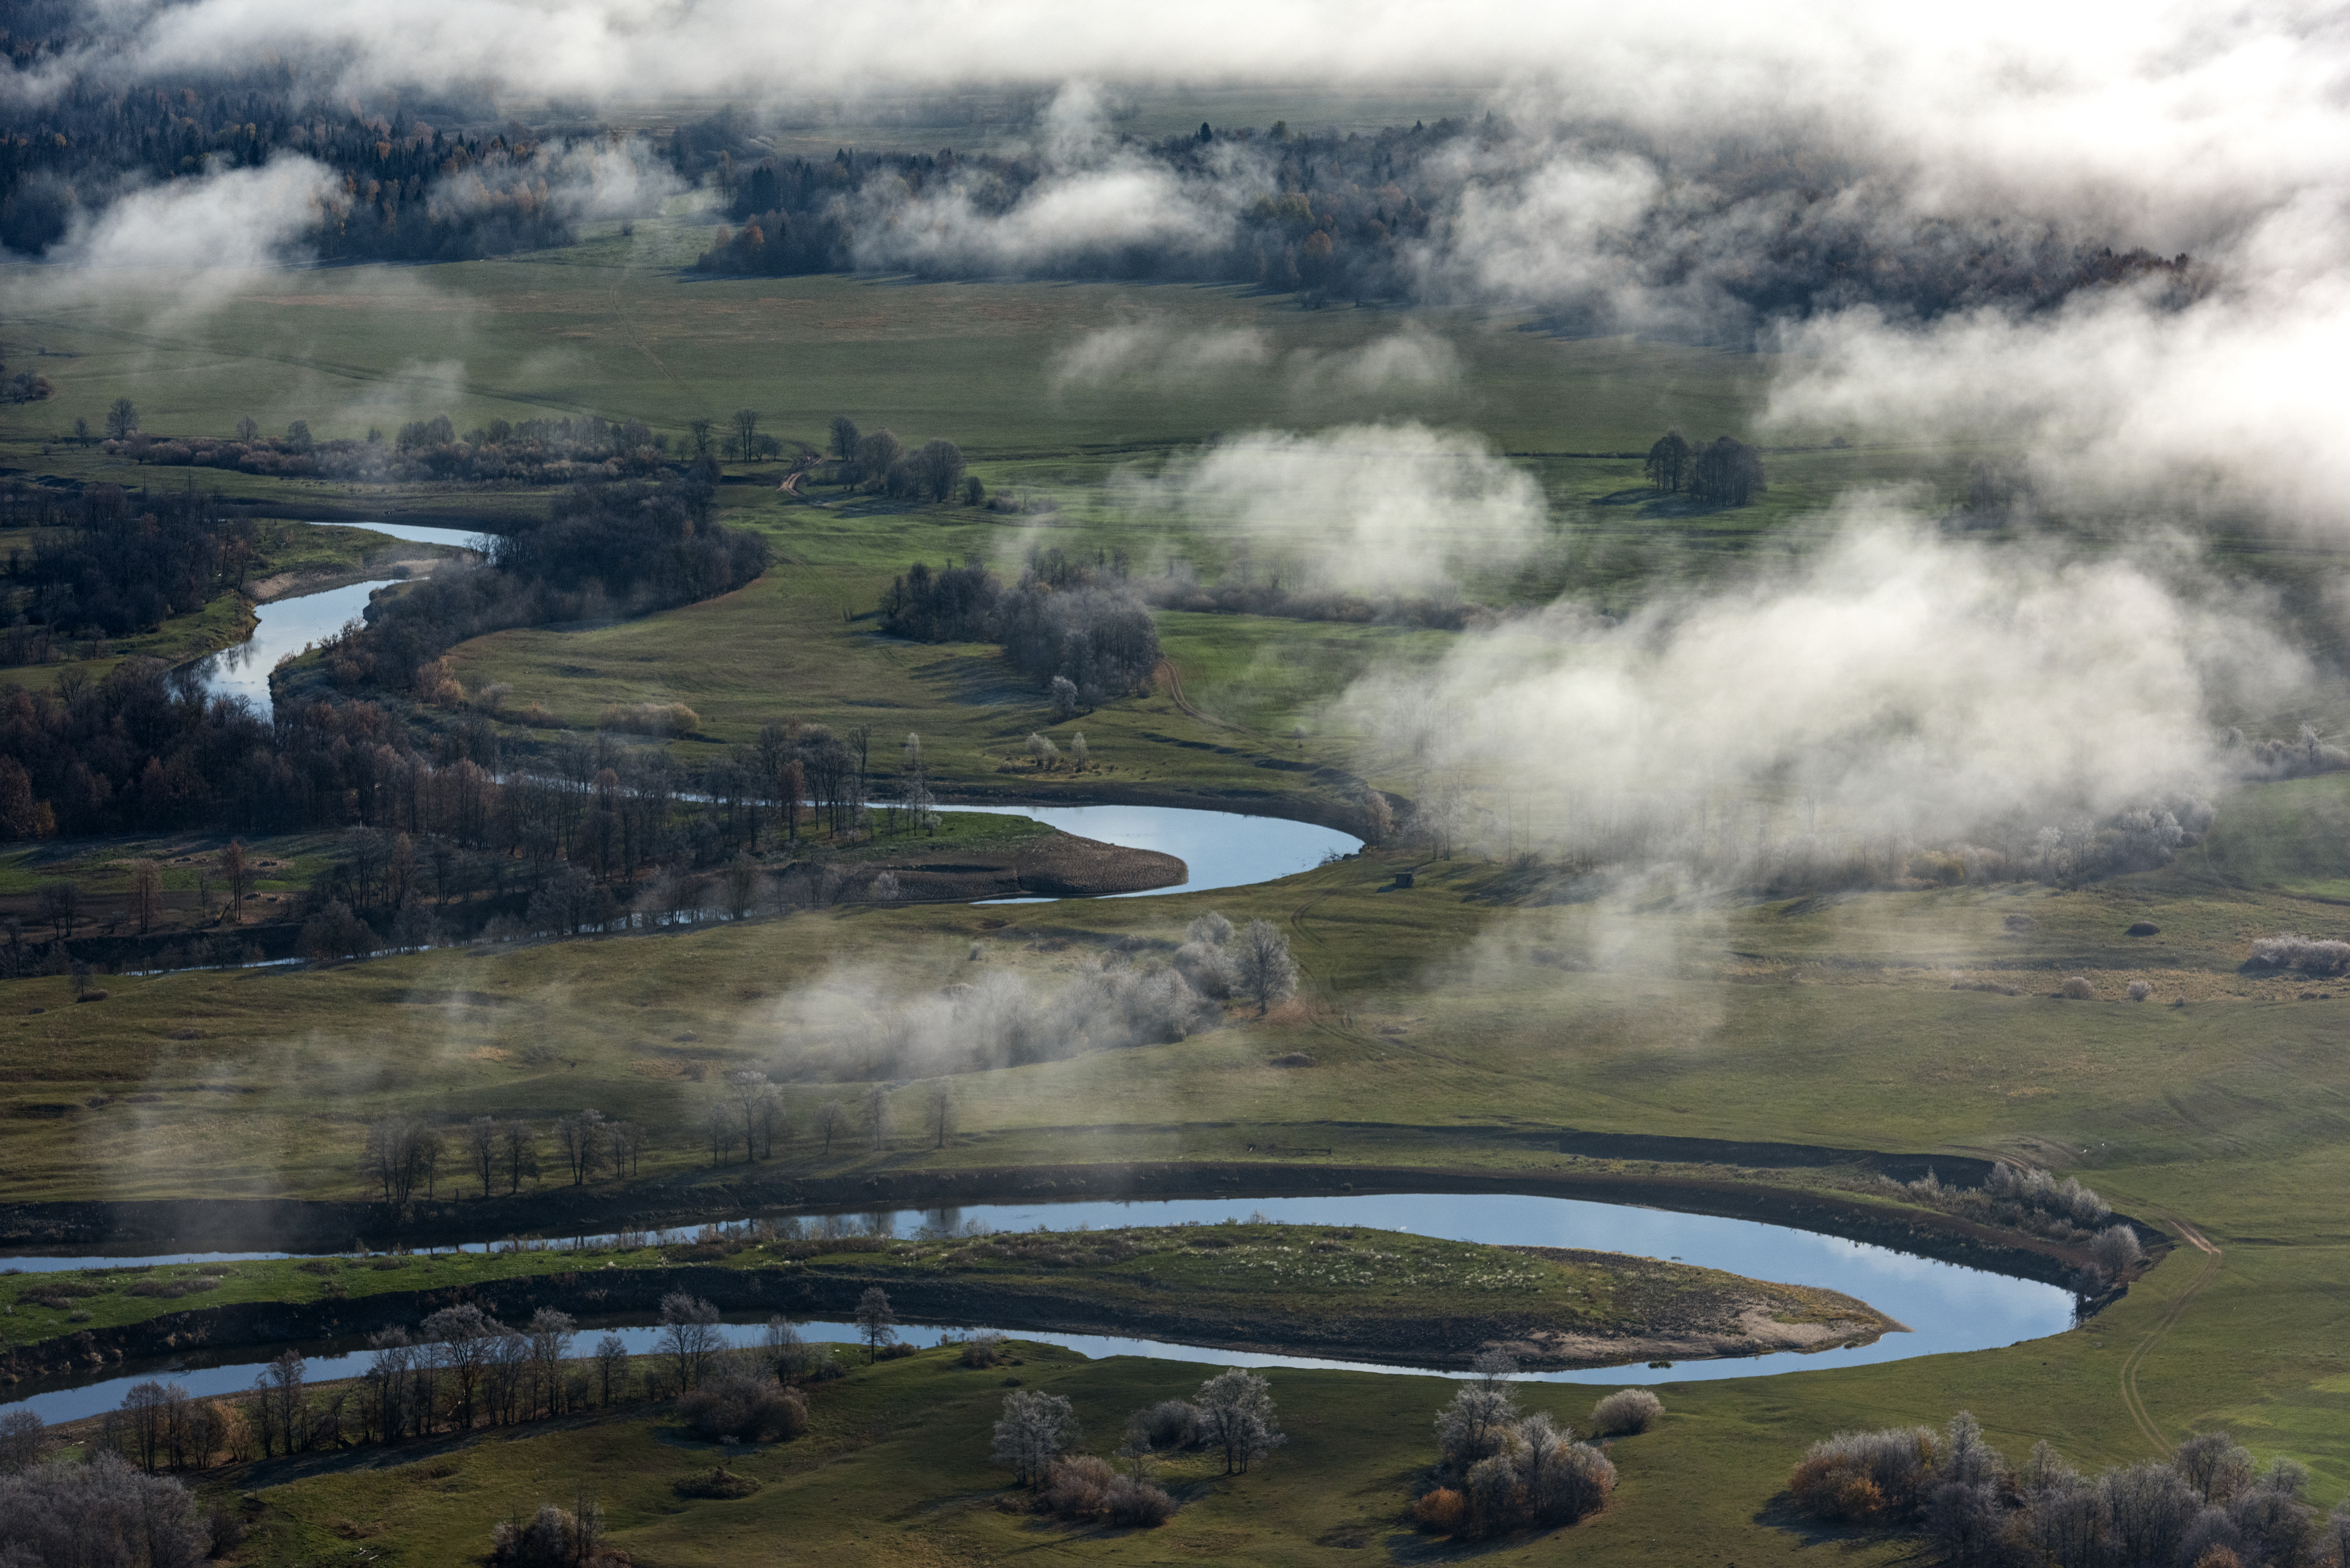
{"points": [[400, 1154], [1034, 1430], [1267, 974], [831, 1121], [690, 1337], [145, 893], [747, 1086], [1236, 1415], [876, 1320], [482, 1148], [518, 1152], [581, 1139]]}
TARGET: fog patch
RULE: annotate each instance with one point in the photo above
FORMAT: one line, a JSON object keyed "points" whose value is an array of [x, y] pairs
{"points": [[1376, 509], [1158, 354], [1985, 710]]}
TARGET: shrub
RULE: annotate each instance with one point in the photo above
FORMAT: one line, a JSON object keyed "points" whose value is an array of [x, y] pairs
{"points": [[1628, 1410], [750, 1409], [1085, 1488], [982, 1350], [1444, 1511], [1138, 1505], [1895, 1463], [1168, 1425], [2292, 952], [650, 719], [2078, 988], [1076, 1486], [717, 1482], [2139, 991]]}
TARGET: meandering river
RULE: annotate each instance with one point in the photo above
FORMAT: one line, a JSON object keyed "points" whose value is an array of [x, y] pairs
{"points": [[1946, 1307], [289, 625]]}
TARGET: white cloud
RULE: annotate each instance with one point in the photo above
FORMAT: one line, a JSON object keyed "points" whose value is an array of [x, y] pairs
{"points": [[1897, 687], [1369, 509]]}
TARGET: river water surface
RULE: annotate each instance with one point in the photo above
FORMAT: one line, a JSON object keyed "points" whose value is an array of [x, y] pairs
{"points": [[289, 625], [1947, 1307]]}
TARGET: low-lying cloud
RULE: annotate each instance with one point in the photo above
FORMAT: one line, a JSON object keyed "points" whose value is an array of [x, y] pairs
{"points": [[1376, 509], [1163, 354], [1897, 690]]}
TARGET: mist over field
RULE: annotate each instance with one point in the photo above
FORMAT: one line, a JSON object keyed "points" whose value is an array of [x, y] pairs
{"points": [[2115, 236]]}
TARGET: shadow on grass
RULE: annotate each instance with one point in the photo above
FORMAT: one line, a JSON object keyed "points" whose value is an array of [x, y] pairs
{"points": [[1781, 1514]]}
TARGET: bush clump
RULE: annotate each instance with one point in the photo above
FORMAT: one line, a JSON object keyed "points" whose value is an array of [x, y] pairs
{"points": [[1512, 1470], [717, 1482], [1629, 1412], [2078, 988], [1444, 1511], [2208, 1506], [1085, 1488], [747, 1409], [650, 719], [2303, 953]]}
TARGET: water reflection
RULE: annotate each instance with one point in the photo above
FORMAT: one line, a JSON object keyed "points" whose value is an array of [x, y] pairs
{"points": [[1947, 1307], [1220, 849]]}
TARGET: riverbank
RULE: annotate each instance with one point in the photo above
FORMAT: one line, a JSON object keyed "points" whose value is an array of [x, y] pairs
{"points": [[1340, 1293], [1773, 1197]]}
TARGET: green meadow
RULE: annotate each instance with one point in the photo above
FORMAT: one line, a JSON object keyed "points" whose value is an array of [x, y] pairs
{"points": [[1444, 1033]]}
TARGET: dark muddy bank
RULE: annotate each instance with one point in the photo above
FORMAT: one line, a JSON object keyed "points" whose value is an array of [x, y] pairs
{"points": [[297, 1226]]}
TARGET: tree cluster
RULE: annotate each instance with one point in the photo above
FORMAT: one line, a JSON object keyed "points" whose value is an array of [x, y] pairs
{"points": [[1500, 1469], [602, 550], [1724, 472], [2024, 1198], [1080, 623], [109, 565], [877, 460], [2208, 1507], [1037, 1436], [24, 387], [56, 1514]]}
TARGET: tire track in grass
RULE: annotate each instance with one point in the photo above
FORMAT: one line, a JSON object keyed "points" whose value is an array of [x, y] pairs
{"points": [[2131, 1397]]}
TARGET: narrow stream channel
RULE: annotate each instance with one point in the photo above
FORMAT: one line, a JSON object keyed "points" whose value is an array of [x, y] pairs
{"points": [[289, 625], [1947, 1307]]}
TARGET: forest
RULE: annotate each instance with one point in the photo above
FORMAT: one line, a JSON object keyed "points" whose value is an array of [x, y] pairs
{"points": [[1339, 218]]}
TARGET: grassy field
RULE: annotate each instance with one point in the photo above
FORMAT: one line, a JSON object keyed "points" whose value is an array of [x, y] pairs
{"points": [[1371, 1291], [1456, 1026]]}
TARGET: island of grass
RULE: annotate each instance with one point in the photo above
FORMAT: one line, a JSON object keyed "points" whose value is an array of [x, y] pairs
{"points": [[1349, 1293]]}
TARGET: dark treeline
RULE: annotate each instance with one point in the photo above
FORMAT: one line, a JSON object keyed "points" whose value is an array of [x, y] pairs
{"points": [[1181, 590], [409, 189], [602, 550], [108, 564], [533, 451], [1063, 620], [1360, 216]]}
